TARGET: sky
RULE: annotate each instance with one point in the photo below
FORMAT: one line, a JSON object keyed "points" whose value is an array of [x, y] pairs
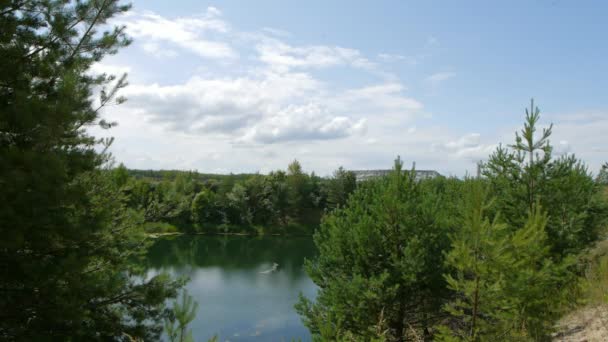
{"points": [[249, 86]]}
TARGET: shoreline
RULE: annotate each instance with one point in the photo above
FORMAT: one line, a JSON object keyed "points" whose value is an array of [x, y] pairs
{"points": [[160, 235]]}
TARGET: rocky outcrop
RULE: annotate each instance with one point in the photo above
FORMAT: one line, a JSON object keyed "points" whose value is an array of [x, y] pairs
{"points": [[363, 175]]}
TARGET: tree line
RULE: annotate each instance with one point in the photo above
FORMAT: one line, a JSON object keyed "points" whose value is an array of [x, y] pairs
{"points": [[282, 202], [499, 257]]}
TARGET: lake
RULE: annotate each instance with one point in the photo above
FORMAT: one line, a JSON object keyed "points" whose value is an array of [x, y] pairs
{"points": [[239, 298]]}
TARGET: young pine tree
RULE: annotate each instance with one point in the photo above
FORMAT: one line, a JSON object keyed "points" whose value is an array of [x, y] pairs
{"points": [[506, 286], [183, 314], [477, 248], [525, 175]]}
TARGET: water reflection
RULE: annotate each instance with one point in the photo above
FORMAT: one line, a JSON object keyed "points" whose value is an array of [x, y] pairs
{"points": [[236, 300]]}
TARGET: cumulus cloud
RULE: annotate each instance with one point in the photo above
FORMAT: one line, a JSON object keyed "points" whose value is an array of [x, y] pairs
{"points": [[266, 108], [273, 107], [306, 122], [223, 104], [271, 97]]}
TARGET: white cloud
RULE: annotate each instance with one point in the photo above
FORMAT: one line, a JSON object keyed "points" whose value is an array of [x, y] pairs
{"points": [[109, 69], [157, 51], [281, 56], [440, 77], [562, 147], [582, 133], [270, 107], [467, 147], [276, 32], [189, 33], [307, 122], [390, 58]]}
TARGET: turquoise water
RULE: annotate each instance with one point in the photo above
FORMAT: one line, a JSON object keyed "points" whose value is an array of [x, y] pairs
{"points": [[239, 298]]}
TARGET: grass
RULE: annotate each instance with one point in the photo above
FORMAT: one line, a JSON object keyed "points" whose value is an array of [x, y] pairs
{"points": [[226, 229], [595, 281]]}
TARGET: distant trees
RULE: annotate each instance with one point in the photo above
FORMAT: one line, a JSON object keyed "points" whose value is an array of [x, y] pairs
{"points": [[280, 202], [203, 208], [120, 175], [340, 187], [602, 177]]}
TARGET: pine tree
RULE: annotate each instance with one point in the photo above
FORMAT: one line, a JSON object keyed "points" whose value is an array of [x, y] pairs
{"points": [[526, 174], [380, 256], [506, 285], [68, 241], [477, 248], [183, 314]]}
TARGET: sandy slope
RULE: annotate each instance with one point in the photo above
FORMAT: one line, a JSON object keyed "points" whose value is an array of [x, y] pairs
{"points": [[586, 324]]}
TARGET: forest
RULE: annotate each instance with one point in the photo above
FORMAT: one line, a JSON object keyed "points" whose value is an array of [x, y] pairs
{"points": [[288, 202], [499, 257]]}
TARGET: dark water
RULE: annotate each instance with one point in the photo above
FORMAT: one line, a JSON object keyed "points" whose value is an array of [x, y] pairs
{"points": [[236, 301]]}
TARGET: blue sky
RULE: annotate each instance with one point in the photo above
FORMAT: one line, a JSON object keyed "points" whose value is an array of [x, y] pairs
{"points": [[246, 86]]}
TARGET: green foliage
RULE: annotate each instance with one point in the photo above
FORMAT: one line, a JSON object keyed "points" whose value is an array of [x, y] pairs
{"points": [[595, 282], [602, 177], [182, 314], [509, 270], [204, 207], [120, 175], [477, 248], [527, 175], [506, 285], [281, 202], [380, 261], [159, 227], [68, 239], [340, 187], [296, 182]]}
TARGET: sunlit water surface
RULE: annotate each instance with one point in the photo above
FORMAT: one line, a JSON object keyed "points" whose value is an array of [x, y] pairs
{"points": [[239, 298]]}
